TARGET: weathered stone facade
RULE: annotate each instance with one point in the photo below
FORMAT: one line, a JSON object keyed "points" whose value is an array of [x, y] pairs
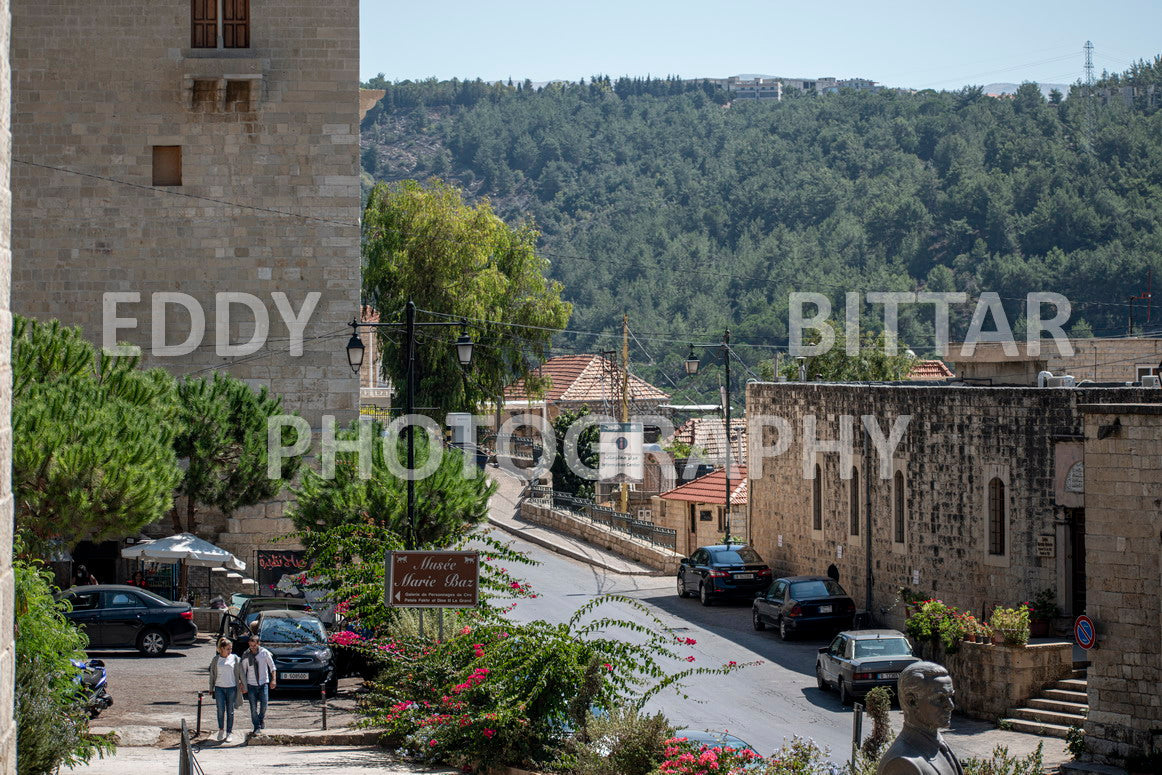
{"points": [[1097, 359], [7, 646], [957, 441], [1123, 505], [268, 200]]}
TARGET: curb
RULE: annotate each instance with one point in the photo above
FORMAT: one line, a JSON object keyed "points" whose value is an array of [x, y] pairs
{"points": [[345, 736], [569, 552]]}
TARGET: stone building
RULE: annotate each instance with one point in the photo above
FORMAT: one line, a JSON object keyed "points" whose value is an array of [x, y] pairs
{"points": [[7, 644], [573, 382], [979, 504], [695, 510], [199, 148], [1098, 360], [1123, 511]]}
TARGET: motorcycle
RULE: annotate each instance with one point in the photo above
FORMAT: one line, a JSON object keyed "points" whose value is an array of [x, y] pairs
{"points": [[93, 685]]}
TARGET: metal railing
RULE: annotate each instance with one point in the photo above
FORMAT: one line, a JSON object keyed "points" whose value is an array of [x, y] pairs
{"points": [[604, 515], [187, 762]]}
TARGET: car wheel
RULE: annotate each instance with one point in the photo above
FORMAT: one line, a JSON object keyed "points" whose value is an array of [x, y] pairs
{"points": [[152, 642], [844, 695], [704, 595], [784, 632], [682, 591], [820, 681], [757, 621]]}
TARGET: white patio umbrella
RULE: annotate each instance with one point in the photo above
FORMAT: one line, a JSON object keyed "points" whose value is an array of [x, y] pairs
{"points": [[186, 548]]}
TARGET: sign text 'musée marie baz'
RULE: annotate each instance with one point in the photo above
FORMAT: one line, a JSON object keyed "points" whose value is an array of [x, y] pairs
{"points": [[432, 579]]}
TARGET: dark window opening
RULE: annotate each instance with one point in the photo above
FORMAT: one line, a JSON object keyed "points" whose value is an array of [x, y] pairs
{"points": [[205, 95], [817, 500], [167, 165], [854, 501], [238, 96], [996, 516], [898, 492]]}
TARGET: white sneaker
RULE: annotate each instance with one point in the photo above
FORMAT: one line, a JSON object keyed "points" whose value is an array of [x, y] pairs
{"points": [[221, 735], [229, 738]]}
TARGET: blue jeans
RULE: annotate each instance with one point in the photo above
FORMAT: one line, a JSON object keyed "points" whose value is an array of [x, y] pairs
{"points": [[224, 698], [259, 696]]}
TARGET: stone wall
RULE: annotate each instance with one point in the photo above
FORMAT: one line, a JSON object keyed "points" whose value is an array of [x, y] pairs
{"points": [[268, 201], [991, 680], [1123, 506], [957, 440], [675, 514], [627, 546], [7, 646]]}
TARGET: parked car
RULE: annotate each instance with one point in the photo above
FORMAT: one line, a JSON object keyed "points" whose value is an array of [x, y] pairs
{"points": [[298, 643], [799, 603], [856, 662], [118, 616], [236, 622], [715, 739], [723, 571]]}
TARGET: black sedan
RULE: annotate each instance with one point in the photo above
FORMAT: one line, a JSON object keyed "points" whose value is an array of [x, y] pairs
{"points": [[859, 661], [116, 616], [799, 603], [302, 656], [723, 571]]}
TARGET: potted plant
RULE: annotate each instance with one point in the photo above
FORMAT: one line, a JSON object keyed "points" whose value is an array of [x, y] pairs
{"points": [[1011, 625], [1042, 611]]}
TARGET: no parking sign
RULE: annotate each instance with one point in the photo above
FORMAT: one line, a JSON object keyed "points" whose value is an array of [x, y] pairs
{"points": [[1084, 632]]}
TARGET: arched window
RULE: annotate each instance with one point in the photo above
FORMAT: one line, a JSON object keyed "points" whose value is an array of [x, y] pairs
{"points": [[853, 498], [898, 497], [817, 497], [996, 516]]}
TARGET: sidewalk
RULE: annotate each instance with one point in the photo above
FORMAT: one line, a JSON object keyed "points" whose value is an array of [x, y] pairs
{"points": [[504, 514]]}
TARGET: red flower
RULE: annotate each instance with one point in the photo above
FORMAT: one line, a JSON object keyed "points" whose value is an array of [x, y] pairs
{"points": [[489, 733]]}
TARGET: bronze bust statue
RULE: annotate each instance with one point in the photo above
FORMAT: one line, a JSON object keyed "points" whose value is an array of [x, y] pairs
{"points": [[925, 690]]}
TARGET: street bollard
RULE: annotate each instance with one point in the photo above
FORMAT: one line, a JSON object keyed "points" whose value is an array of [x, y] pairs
{"points": [[198, 730], [323, 691], [856, 731]]}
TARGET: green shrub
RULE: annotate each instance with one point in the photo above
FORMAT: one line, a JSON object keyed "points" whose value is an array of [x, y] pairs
{"points": [[622, 742], [1012, 624], [1002, 763], [878, 704], [1075, 742], [52, 726]]}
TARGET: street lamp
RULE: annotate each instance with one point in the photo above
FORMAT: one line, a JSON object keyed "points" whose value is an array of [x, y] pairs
{"points": [[355, 352], [692, 369]]}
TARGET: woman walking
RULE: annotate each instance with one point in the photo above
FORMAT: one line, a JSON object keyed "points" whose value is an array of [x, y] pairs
{"points": [[225, 683]]}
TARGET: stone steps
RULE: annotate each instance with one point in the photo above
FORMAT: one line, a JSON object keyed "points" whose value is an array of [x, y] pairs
{"points": [[1057, 706], [1065, 704], [1072, 684], [1066, 695], [1034, 727], [1050, 717]]}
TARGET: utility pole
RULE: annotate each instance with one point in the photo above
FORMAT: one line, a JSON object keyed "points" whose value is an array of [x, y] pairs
{"points": [[624, 398], [726, 412]]}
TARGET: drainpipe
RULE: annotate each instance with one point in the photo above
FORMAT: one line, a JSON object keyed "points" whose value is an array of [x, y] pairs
{"points": [[867, 510]]}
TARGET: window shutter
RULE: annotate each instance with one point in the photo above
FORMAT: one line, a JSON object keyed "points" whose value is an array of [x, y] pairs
{"points": [[236, 23], [204, 24]]}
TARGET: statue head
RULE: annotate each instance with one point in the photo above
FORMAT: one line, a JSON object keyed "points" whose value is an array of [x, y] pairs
{"points": [[925, 690]]}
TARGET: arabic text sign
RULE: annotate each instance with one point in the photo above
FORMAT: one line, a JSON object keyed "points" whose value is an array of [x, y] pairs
{"points": [[620, 457], [432, 579]]}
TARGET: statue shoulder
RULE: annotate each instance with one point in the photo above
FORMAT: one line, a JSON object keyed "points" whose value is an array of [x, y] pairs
{"points": [[897, 764]]}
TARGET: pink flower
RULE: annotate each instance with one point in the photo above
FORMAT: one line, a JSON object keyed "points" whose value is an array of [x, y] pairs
{"points": [[690, 659], [489, 733], [609, 667], [432, 742]]}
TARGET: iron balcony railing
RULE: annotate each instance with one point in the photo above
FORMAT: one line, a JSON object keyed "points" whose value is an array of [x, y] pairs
{"points": [[604, 515]]}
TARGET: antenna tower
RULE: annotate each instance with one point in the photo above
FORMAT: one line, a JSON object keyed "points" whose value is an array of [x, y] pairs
{"points": [[1089, 63]]}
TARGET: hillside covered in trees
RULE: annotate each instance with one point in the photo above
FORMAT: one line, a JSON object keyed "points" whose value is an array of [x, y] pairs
{"points": [[666, 200]]}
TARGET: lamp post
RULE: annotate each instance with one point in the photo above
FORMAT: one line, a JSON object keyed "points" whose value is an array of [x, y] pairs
{"points": [[692, 369], [355, 352]]}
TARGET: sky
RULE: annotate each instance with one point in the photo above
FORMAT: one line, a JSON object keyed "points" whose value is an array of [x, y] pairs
{"points": [[939, 44]]}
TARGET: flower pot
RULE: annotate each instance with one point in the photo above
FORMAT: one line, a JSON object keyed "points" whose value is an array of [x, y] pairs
{"points": [[1039, 628]]}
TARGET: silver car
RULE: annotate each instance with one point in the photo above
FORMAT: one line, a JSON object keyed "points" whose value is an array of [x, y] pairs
{"points": [[857, 661]]}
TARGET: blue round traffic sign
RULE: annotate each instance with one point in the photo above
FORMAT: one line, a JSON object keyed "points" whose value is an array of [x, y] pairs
{"points": [[1084, 632]]}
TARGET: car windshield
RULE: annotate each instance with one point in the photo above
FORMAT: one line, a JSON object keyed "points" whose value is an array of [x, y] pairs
{"points": [[284, 629], [882, 647], [805, 590], [741, 555]]}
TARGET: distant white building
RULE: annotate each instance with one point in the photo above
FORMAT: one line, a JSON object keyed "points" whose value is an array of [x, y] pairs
{"points": [[764, 87]]}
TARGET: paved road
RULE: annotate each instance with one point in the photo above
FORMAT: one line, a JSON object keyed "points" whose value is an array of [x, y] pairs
{"points": [[161, 691], [285, 760]]}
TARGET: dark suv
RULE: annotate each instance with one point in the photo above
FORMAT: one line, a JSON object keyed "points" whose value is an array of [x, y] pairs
{"points": [[723, 571]]}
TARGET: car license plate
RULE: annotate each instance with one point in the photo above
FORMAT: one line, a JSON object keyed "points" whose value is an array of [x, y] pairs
{"points": [[887, 676], [824, 609], [743, 576], [293, 676]]}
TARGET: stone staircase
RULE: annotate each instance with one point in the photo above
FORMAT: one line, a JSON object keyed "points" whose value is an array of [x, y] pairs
{"points": [[1056, 709], [227, 582]]}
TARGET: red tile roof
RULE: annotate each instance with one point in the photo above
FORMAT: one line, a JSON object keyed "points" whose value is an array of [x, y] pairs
{"points": [[706, 434], [712, 488], [585, 379], [929, 370]]}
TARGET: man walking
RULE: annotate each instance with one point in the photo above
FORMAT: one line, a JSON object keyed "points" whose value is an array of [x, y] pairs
{"points": [[258, 669]]}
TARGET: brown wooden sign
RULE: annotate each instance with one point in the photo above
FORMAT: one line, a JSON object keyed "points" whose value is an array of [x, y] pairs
{"points": [[436, 579]]}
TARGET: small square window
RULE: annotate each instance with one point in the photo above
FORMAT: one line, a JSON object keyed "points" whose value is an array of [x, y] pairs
{"points": [[167, 165], [238, 96], [205, 96]]}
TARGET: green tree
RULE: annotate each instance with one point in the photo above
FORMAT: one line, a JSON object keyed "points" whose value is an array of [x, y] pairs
{"points": [[424, 243], [52, 726], [872, 363], [92, 435], [223, 441], [564, 479]]}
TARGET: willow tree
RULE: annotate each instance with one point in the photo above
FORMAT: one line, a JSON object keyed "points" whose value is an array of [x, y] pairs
{"points": [[425, 244]]}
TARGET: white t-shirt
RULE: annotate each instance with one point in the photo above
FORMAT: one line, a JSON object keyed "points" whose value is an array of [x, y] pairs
{"points": [[226, 677], [263, 662]]}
